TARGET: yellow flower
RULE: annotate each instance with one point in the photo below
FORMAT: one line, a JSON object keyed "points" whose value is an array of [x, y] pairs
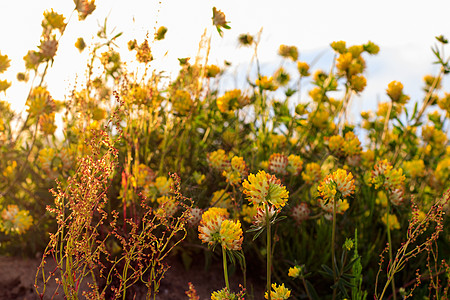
{"points": [[278, 292], [303, 68], [248, 212], [224, 294], [393, 221], [237, 170], [209, 228], [162, 184], [358, 83], [168, 206], [80, 44], [40, 102], [231, 100], [221, 198], [53, 20], [4, 63], [245, 39], [395, 92], [212, 71], [343, 62], [9, 170], [282, 77], [371, 48], [47, 123], [335, 144], [160, 33], [295, 271], [356, 50], [266, 83], [295, 164], [15, 220], [218, 160], [278, 164], [144, 176], [443, 170], [84, 8], [182, 102], [339, 46], [231, 235], [288, 52], [312, 173], [265, 188], [444, 102], [414, 168], [352, 145], [339, 183], [4, 85]]}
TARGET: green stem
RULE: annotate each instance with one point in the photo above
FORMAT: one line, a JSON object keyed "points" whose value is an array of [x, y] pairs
{"points": [[394, 296], [269, 251], [225, 271], [333, 241]]}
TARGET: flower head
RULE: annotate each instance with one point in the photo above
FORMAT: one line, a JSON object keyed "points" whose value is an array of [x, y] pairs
{"points": [[218, 160], [236, 171], [278, 292], [15, 220], [231, 235], [278, 164], [295, 271], [335, 187], [312, 173], [288, 52], [265, 188], [209, 228], [300, 212], [295, 164]]}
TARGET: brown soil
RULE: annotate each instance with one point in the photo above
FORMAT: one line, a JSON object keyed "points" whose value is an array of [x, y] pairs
{"points": [[17, 279]]}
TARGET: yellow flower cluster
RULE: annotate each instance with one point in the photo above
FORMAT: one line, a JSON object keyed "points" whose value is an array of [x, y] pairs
{"points": [[15, 220], [266, 83], [312, 173], [231, 100], [393, 221], [295, 271], [221, 198], [40, 102], [218, 160], [336, 187], [265, 188], [182, 102], [395, 92], [295, 164], [414, 168], [290, 52], [278, 292], [392, 180], [215, 227], [236, 171]]}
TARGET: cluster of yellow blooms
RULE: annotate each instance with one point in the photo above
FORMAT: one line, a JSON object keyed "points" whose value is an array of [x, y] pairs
{"points": [[215, 227], [392, 180], [15, 220], [335, 188]]}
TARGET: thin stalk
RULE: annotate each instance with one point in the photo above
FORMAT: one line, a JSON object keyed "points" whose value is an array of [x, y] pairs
{"points": [[390, 249], [333, 241], [269, 251], [225, 270]]}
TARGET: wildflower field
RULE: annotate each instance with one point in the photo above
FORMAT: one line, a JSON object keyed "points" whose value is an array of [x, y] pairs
{"points": [[135, 169]]}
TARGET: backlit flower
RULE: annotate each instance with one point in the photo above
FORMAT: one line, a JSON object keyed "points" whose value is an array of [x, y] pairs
{"points": [[209, 228], [266, 83], [162, 184], [278, 292], [195, 215], [231, 235], [4, 63], [265, 188], [395, 92], [288, 52], [47, 123], [303, 68], [335, 187]]}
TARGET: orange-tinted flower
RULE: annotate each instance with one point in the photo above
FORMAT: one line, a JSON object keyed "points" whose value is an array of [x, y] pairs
{"points": [[209, 228], [265, 188], [278, 164], [231, 235]]}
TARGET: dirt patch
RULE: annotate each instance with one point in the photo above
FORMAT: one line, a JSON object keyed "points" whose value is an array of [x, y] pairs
{"points": [[17, 280]]}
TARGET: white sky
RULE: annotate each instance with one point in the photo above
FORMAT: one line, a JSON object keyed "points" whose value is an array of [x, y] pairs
{"points": [[404, 30]]}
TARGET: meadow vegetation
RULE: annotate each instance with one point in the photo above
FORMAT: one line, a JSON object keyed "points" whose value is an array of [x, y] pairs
{"points": [[142, 167]]}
